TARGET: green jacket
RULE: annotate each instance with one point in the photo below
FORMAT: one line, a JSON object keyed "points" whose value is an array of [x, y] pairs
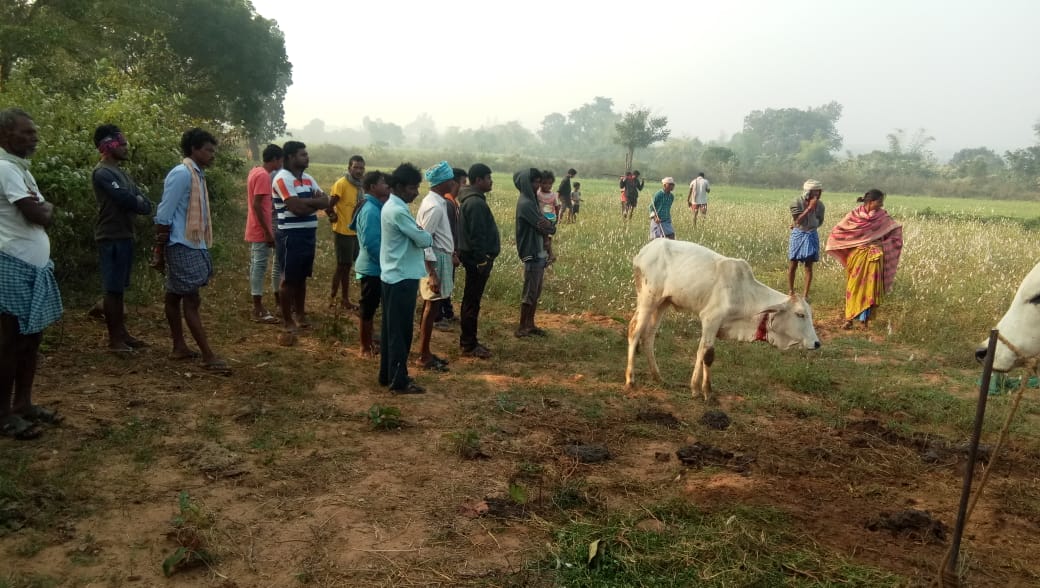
{"points": [[479, 241]]}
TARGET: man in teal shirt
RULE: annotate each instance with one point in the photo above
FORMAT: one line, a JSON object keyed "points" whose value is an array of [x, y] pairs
{"points": [[401, 265], [661, 211]]}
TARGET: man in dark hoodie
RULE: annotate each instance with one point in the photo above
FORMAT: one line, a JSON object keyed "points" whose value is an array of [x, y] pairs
{"points": [[531, 229], [479, 245]]}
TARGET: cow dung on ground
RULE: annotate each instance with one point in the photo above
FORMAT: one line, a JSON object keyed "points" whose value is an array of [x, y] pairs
{"points": [[715, 419], [658, 417], [917, 524], [587, 453]]}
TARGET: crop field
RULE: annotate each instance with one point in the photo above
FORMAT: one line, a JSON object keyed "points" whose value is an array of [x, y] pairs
{"points": [[841, 466]]}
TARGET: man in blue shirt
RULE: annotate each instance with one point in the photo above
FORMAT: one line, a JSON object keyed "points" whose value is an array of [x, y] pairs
{"points": [[369, 234], [402, 265], [183, 234]]}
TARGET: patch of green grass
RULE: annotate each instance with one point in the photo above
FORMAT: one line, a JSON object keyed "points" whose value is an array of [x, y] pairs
{"points": [[211, 426], [465, 444], [30, 545], [385, 418], [683, 546], [19, 580], [135, 437]]}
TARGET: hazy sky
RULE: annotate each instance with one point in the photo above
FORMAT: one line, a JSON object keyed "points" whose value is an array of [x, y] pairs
{"points": [[967, 72]]}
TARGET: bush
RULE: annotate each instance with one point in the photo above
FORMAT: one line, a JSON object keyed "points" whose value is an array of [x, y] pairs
{"points": [[63, 163]]}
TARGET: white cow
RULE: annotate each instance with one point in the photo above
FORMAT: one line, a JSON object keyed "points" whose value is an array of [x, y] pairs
{"points": [[730, 302], [1020, 325]]}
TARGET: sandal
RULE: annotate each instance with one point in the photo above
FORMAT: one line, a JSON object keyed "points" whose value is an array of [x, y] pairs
{"points": [[267, 318], [432, 365], [184, 355], [39, 414], [217, 366], [16, 427], [134, 343]]}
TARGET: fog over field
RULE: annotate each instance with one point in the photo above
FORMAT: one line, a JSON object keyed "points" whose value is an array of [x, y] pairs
{"points": [[963, 71]]}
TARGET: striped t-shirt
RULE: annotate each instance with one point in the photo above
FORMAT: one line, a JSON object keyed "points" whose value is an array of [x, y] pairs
{"points": [[286, 186]]}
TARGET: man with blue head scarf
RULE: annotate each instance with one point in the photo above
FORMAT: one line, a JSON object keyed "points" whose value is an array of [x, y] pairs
{"points": [[440, 258]]}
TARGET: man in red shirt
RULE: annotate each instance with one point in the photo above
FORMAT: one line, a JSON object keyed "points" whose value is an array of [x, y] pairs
{"points": [[259, 230]]}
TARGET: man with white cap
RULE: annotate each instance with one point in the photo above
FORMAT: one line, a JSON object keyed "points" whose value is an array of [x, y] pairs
{"points": [[661, 211], [439, 258], [804, 243]]}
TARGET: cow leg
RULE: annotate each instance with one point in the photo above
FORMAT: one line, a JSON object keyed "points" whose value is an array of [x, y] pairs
{"points": [[650, 338], [701, 379], [636, 327]]}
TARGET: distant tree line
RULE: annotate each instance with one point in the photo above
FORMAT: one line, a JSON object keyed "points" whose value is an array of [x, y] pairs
{"points": [[775, 148]]}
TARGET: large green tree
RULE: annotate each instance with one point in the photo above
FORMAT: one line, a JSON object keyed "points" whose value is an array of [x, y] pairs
{"points": [[637, 129], [780, 134], [228, 62]]}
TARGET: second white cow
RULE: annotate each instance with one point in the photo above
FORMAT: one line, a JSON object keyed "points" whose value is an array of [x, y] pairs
{"points": [[723, 292], [1019, 326]]}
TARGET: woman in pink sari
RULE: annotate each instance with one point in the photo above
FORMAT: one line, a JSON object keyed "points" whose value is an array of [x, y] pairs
{"points": [[868, 243]]}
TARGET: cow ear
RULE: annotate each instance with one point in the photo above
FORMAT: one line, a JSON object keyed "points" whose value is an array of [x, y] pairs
{"points": [[774, 308]]}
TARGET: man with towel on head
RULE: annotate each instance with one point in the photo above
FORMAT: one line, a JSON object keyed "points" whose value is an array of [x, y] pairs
{"points": [[440, 258], [804, 243]]}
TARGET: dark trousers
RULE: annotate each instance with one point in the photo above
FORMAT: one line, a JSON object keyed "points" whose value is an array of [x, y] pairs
{"points": [[534, 276], [476, 281], [396, 330]]}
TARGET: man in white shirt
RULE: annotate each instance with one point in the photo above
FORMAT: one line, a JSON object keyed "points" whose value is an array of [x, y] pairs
{"points": [[697, 199], [29, 296], [440, 258]]}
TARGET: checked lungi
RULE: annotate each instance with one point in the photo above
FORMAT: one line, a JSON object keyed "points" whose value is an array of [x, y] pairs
{"points": [[187, 269], [29, 293], [803, 245]]}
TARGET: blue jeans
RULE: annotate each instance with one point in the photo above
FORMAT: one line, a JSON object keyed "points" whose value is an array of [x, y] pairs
{"points": [[260, 253]]}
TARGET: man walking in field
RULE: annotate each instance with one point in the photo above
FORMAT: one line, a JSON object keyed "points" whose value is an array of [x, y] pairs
{"points": [[183, 235], [804, 243], [479, 245], [297, 198], [631, 184], [566, 205], [697, 199], [29, 296], [260, 231], [119, 202], [347, 195]]}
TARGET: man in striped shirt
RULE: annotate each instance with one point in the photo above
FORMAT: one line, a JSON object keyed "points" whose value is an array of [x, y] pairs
{"points": [[297, 199]]}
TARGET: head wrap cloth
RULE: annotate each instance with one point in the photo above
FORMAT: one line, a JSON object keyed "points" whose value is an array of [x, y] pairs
{"points": [[440, 173], [110, 142]]}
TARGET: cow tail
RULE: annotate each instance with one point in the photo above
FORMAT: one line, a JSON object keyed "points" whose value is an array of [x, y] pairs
{"points": [[638, 275]]}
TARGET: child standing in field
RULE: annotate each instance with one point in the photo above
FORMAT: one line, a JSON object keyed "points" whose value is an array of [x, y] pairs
{"points": [[575, 201], [547, 201]]}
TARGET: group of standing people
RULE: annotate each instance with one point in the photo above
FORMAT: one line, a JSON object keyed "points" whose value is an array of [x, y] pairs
{"points": [[399, 258], [867, 242], [396, 257]]}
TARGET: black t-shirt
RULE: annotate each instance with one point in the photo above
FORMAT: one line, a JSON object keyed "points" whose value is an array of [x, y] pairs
{"points": [[565, 188]]}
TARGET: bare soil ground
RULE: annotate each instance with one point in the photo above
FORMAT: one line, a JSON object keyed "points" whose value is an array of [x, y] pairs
{"points": [[290, 483]]}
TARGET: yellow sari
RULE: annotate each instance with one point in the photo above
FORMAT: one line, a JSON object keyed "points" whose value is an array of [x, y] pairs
{"points": [[864, 283]]}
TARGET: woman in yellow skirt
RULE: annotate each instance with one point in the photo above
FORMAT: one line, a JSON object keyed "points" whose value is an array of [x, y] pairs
{"points": [[868, 243]]}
